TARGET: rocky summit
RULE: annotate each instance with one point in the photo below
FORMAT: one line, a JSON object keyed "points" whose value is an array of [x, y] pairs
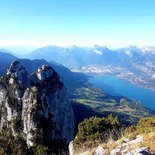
{"points": [[35, 106]]}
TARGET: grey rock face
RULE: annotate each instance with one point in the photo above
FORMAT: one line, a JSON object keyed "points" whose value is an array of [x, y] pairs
{"points": [[16, 70], [35, 105], [99, 151], [128, 147]]}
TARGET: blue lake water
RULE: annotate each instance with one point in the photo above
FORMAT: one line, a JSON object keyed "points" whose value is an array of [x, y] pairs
{"points": [[118, 87]]}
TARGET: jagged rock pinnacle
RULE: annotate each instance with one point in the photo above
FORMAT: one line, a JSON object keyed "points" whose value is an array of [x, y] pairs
{"points": [[44, 72], [16, 70], [38, 102]]}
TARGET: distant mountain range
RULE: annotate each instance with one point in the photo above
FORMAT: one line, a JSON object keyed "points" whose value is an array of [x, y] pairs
{"points": [[19, 49], [134, 64], [77, 57]]}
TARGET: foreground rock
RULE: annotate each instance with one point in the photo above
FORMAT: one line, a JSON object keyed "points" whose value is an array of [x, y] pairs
{"points": [[35, 106], [137, 146], [140, 145]]}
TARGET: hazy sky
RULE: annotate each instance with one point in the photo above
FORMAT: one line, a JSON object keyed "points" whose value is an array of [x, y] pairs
{"points": [[113, 23]]}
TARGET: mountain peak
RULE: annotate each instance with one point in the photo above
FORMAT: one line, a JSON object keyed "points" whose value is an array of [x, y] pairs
{"points": [[100, 49], [73, 47], [148, 49], [15, 67], [132, 48], [16, 70], [96, 46], [44, 72]]}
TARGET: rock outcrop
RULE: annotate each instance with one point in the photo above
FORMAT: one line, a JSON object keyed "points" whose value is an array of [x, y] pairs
{"points": [[141, 145], [35, 106], [137, 146]]}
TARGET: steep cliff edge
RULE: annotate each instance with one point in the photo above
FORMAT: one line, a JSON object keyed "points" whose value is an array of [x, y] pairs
{"points": [[35, 106]]}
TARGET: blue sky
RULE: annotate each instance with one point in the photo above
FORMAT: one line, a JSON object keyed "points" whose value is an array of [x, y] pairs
{"points": [[114, 23]]}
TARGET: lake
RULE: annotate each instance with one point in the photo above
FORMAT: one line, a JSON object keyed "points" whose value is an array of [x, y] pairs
{"points": [[119, 87]]}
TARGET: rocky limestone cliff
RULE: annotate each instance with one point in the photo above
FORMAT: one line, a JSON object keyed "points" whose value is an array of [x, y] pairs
{"points": [[35, 106]]}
